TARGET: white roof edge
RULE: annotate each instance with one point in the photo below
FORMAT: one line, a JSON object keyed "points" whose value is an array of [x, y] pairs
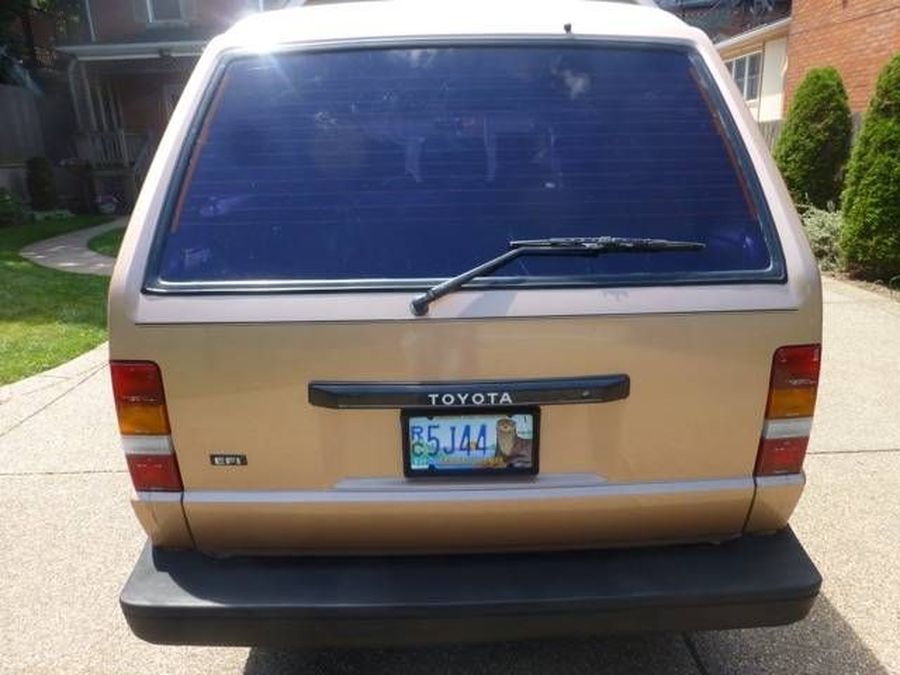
{"points": [[436, 19], [754, 34]]}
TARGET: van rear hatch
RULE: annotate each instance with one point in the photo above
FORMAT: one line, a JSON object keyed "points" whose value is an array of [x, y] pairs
{"points": [[319, 191]]}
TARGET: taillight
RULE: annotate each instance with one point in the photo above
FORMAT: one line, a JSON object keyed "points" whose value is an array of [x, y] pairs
{"points": [[144, 425], [140, 400], [792, 400]]}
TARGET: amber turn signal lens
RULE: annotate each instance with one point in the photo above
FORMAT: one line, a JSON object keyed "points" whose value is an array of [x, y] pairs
{"points": [[140, 401], [784, 403], [142, 419]]}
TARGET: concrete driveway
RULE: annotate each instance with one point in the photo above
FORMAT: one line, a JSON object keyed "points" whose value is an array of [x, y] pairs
{"points": [[68, 541]]}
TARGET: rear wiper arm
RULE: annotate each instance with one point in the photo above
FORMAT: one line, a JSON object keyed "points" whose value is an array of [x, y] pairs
{"points": [[580, 246]]}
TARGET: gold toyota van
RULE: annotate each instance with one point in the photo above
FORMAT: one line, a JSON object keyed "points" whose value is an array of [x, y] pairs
{"points": [[463, 321]]}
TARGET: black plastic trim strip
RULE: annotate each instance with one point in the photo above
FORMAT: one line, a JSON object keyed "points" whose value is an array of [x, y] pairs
{"points": [[467, 394]]}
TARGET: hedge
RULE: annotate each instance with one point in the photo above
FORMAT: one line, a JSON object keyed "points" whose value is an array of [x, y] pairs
{"points": [[870, 238], [815, 142]]}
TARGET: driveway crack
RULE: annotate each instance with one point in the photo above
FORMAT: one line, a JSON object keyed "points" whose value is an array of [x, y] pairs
{"points": [[876, 451], [695, 654], [90, 373], [81, 472]]}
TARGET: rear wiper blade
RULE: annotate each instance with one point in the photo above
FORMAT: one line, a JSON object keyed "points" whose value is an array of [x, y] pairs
{"points": [[580, 246], [610, 244]]}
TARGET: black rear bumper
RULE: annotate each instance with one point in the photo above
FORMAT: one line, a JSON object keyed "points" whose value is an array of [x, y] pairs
{"points": [[185, 597]]}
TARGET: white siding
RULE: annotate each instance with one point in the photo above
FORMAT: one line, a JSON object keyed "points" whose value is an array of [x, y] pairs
{"points": [[772, 90], [767, 106]]}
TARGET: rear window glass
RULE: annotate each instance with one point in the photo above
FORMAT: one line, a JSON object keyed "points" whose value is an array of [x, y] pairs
{"points": [[391, 165]]}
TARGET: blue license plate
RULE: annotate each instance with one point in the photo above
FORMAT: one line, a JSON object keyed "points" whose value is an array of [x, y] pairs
{"points": [[465, 443]]}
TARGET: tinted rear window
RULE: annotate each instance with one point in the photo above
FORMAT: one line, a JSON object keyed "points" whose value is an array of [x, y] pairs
{"points": [[415, 164]]}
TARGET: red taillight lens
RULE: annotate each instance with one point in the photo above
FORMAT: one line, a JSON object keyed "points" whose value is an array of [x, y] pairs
{"points": [[154, 472], [139, 396], [778, 456], [793, 386]]}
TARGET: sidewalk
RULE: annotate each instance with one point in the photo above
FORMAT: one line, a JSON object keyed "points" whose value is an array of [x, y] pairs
{"points": [[22, 400], [69, 252]]}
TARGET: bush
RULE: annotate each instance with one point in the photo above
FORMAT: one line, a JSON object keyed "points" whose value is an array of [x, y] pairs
{"points": [[11, 211], [815, 142], [823, 229], [871, 203], [41, 184]]}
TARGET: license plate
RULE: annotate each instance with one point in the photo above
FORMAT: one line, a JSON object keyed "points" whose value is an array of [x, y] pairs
{"points": [[466, 443]]}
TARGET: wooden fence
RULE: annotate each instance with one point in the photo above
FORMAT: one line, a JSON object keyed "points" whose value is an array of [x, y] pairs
{"points": [[772, 130], [20, 125]]}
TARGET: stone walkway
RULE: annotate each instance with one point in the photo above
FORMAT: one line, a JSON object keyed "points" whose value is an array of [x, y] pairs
{"points": [[69, 252]]}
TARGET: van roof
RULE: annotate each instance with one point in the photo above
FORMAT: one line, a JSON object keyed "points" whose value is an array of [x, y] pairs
{"points": [[385, 19]]}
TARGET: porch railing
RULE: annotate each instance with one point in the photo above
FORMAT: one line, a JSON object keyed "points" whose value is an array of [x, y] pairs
{"points": [[120, 160]]}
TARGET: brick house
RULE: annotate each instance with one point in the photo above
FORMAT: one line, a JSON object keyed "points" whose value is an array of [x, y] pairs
{"points": [[127, 71], [770, 59], [857, 37]]}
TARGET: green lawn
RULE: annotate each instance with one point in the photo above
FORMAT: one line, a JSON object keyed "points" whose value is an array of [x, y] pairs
{"points": [[46, 317], [107, 243]]}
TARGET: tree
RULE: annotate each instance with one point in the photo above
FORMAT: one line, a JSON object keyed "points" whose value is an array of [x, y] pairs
{"points": [[871, 202], [11, 12], [815, 142], [67, 13], [15, 23]]}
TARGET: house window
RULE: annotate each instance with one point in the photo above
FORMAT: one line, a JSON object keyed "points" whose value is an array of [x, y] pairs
{"points": [[164, 10], [746, 71]]}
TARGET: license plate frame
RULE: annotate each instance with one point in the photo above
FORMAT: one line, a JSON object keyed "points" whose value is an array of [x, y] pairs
{"points": [[408, 416]]}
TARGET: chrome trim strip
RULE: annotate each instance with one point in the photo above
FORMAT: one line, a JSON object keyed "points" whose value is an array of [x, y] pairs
{"points": [[788, 480], [792, 428], [415, 493], [553, 480], [147, 445], [152, 496]]}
